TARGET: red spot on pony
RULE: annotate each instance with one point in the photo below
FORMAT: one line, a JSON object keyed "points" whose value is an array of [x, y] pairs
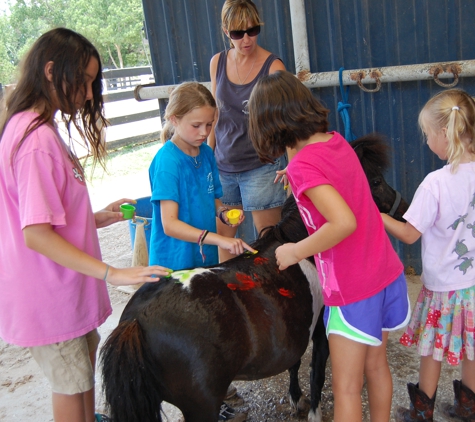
{"points": [[247, 282], [286, 293], [260, 260], [244, 278]]}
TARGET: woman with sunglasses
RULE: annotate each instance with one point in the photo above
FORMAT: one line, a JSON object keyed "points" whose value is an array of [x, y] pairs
{"points": [[247, 183]]}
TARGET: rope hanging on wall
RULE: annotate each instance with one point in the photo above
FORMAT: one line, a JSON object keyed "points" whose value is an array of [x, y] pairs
{"points": [[343, 107]]}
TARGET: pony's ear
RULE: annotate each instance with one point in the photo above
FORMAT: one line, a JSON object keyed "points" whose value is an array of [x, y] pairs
{"points": [[373, 150], [359, 151]]}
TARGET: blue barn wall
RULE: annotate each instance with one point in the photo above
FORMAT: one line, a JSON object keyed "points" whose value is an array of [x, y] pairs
{"points": [[354, 34]]}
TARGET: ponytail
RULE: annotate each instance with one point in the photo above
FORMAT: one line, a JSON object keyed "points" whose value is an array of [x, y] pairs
{"points": [[167, 132], [454, 110]]}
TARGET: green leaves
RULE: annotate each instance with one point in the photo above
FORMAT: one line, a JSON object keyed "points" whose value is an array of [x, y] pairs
{"points": [[113, 26]]}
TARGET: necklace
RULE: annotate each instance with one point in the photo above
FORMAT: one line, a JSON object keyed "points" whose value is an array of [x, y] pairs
{"points": [[195, 160], [248, 73]]}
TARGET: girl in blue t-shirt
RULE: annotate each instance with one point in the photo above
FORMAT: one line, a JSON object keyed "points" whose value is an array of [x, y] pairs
{"points": [[185, 186]]}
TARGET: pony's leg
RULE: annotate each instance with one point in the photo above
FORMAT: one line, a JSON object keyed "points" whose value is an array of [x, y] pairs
{"points": [[299, 403], [320, 355], [294, 388]]}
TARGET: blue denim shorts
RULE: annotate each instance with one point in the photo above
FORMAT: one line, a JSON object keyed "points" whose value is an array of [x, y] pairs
{"points": [[365, 321], [255, 189]]}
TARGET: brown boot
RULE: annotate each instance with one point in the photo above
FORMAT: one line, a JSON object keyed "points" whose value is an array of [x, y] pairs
{"points": [[421, 408], [464, 404]]}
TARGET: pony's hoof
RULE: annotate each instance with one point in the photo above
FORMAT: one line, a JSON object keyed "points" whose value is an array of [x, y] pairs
{"points": [[315, 416], [303, 406]]}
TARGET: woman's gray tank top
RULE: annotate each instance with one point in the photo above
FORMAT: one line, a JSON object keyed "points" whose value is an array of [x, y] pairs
{"points": [[234, 151]]}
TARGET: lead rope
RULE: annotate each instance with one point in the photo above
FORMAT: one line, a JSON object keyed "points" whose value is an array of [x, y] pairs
{"points": [[343, 107]]}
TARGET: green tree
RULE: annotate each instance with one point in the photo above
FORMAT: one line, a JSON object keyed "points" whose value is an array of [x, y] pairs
{"points": [[7, 54], [116, 28], [113, 26]]}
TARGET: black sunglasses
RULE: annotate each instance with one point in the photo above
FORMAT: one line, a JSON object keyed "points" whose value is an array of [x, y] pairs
{"points": [[252, 32]]}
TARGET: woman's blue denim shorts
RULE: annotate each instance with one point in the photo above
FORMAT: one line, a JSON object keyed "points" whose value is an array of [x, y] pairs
{"points": [[255, 189]]}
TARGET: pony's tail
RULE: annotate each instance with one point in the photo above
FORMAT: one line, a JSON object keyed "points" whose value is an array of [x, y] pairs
{"points": [[130, 383]]}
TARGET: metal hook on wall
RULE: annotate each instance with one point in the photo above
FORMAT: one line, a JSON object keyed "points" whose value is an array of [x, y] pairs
{"points": [[358, 76], [450, 68]]}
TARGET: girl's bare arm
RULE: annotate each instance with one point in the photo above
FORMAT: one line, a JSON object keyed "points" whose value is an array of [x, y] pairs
{"points": [[44, 240], [174, 227], [403, 231], [340, 223]]}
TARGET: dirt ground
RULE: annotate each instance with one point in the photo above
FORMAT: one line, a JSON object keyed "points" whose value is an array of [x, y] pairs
{"points": [[25, 395]]}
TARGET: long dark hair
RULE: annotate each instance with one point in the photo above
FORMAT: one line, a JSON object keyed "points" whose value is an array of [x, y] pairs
{"points": [[70, 53]]}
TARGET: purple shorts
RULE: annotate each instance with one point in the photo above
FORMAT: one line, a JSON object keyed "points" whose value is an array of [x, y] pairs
{"points": [[365, 321]]}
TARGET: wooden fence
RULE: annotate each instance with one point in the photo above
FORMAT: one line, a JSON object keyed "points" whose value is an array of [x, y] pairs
{"points": [[131, 121]]}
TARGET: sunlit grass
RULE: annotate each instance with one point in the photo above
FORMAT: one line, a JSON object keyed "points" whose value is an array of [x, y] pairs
{"points": [[125, 161]]}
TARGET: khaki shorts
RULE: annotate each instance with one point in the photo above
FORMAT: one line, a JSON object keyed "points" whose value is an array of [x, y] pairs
{"points": [[67, 365]]}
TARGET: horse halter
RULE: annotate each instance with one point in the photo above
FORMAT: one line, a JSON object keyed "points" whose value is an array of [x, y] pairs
{"points": [[397, 202]]}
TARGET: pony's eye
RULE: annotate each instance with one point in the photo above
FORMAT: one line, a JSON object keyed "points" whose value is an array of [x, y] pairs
{"points": [[376, 182]]}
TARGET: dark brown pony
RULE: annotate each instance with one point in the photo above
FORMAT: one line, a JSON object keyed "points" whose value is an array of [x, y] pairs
{"points": [[185, 339], [374, 155]]}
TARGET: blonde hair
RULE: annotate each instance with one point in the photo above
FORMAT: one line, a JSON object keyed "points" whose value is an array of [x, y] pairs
{"points": [[453, 110], [183, 99], [237, 14]]}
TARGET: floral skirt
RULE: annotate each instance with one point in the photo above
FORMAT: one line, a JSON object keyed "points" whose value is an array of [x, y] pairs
{"points": [[442, 324]]}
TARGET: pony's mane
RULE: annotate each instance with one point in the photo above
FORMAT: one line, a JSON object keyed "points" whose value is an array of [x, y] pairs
{"points": [[373, 152], [289, 229]]}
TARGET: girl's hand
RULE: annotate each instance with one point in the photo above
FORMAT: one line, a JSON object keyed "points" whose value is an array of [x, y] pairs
{"points": [[111, 214], [222, 215], [233, 245], [281, 177], [241, 219], [136, 275], [285, 256]]}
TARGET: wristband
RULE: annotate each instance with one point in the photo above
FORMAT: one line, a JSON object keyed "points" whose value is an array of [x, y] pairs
{"points": [[107, 271], [220, 214], [201, 239]]}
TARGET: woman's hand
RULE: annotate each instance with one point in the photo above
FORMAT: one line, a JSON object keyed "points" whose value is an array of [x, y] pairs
{"points": [[285, 256], [136, 275], [281, 177], [111, 214]]}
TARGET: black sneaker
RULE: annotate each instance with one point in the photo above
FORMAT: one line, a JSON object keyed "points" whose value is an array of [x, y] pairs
{"points": [[226, 413]]}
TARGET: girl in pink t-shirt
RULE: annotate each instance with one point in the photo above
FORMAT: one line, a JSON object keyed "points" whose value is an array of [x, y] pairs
{"points": [[52, 278], [363, 284], [443, 214]]}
